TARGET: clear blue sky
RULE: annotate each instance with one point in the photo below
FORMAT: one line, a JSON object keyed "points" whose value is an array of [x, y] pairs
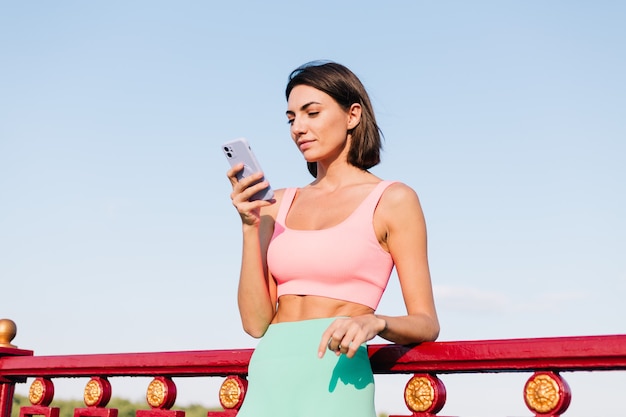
{"points": [[116, 229]]}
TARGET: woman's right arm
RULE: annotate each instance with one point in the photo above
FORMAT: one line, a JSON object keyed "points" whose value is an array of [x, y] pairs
{"points": [[257, 291]]}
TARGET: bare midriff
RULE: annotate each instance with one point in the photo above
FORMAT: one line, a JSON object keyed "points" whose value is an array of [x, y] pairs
{"points": [[306, 307]]}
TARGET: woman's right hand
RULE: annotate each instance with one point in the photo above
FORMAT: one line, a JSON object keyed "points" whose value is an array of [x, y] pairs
{"points": [[249, 211]]}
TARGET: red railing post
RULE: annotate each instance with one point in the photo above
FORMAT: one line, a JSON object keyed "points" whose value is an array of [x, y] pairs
{"points": [[6, 398]]}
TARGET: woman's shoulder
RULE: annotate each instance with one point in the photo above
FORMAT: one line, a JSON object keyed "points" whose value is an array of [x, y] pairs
{"points": [[397, 196], [399, 210], [398, 190]]}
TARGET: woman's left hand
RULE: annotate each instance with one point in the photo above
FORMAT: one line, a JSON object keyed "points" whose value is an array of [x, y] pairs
{"points": [[345, 335]]}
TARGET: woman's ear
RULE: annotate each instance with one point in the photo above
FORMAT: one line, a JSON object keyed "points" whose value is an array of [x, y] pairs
{"points": [[354, 115]]}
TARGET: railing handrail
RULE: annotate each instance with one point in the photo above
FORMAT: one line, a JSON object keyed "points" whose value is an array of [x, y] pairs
{"points": [[577, 353], [573, 353], [546, 357]]}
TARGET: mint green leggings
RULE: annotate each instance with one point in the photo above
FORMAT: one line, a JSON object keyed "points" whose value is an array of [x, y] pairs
{"points": [[287, 379]]}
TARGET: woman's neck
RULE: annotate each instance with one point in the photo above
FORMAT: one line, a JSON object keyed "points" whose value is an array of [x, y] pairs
{"points": [[336, 176]]}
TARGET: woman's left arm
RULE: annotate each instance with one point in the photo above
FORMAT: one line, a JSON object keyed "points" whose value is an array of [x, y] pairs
{"points": [[401, 219], [400, 226]]}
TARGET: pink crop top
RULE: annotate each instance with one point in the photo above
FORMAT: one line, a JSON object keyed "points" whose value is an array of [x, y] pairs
{"points": [[344, 262]]}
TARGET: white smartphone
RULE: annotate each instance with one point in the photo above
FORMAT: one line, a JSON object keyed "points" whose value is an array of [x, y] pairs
{"points": [[239, 150]]}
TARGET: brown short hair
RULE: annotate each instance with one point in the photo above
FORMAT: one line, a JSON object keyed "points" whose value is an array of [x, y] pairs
{"points": [[346, 89]]}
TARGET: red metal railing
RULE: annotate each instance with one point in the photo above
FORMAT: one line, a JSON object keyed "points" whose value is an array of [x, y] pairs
{"points": [[546, 392]]}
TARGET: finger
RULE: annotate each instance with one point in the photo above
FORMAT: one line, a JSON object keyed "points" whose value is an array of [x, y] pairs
{"points": [[335, 346], [254, 188], [324, 344], [344, 348], [251, 179], [339, 342], [249, 208], [349, 343], [251, 185], [255, 180], [232, 172], [245, 199], [352, 348], [326, 340]]}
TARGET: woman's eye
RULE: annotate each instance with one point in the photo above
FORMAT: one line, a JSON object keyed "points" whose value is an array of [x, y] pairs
{"points": [[313, 113], [290, 121]]}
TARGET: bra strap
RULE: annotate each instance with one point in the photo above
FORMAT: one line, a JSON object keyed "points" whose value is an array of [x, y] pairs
{"points": [[372, 200], [285, 204]]}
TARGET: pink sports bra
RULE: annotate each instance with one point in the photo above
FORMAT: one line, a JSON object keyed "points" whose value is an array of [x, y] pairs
{"points": [[344, 262]]}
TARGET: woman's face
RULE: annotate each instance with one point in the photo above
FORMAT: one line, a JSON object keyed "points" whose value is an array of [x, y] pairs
{"points": [[319, 126]]}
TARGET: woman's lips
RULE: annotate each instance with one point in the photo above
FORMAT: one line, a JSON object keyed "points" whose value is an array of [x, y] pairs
{"points": [[304, 145]]}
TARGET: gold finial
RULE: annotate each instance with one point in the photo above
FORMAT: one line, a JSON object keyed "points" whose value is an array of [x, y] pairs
{"points": [[8, 330]]}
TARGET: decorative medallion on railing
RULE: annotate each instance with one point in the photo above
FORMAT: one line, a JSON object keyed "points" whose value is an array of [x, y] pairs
{"points": [[232, 392], [161, 396], [424, 395], [40, 395], [41, 392], [547, 394], [96, 396], [97, 392], [231, 395], [161, 393]]}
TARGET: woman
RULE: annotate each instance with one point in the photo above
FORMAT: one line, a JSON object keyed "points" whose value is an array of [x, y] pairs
{"points": [[316, 261]]}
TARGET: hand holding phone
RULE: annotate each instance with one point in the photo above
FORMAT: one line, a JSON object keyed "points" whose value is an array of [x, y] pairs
{"points": [[239, 151]]}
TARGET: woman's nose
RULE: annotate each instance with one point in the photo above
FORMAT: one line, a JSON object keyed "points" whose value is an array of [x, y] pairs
{"points": [[297, 127]]}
